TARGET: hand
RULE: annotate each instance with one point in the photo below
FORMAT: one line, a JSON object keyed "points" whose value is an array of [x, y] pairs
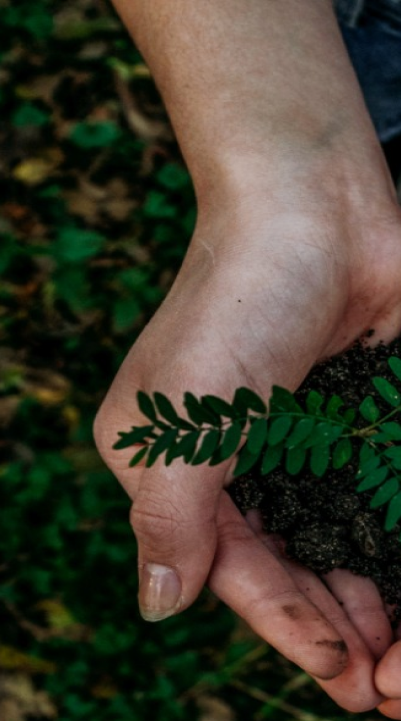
{"points": [[270, 285], [387, 679], [296, 254]]}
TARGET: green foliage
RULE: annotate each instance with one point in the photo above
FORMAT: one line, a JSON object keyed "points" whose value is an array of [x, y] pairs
{"points": [[29, 115], [90, 136], [34, 18], [75, 245], [320, 436]]}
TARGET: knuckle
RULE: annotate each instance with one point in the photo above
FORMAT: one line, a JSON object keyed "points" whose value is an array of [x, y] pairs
{"points": [[156, 524]]}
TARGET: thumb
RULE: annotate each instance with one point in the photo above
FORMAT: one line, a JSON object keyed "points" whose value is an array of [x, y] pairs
{"points": [[173, 517], [174, 520]]}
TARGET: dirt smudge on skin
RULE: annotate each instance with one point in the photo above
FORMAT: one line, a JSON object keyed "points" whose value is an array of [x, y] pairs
{"points": [[340, 645], [292, 611]]}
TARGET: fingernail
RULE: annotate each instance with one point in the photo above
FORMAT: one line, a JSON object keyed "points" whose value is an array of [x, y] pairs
{"points": [[159, 592]]}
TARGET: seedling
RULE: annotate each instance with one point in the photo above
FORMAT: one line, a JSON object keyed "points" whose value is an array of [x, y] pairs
{"points": [[321, 435]]}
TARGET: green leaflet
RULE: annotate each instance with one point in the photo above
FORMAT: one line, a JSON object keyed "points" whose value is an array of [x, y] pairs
{"points": [[323, 433], [137, 435], [138, 456], [245, 399], [390, 431], [272, 458], [283, 400], [257, 435], [333, 406], [395, 365], [369, 466], [219, 406], [146, 406], [246, 461], [295, 460], [385, 492], [184, 447], [209, 443], [342, 453], [319, 460], [393, 514], [366, 453], [369, 410], [165, 408], [375, 478], [314, 402], [279, 429], [368, 460], [387, 391], [160, 445], [394, 454], [197, 412], [231, 439], [301, 431]]}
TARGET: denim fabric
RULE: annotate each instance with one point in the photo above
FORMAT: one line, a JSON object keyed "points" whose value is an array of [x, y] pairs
{"points": [[372, 33], [348, 11]]}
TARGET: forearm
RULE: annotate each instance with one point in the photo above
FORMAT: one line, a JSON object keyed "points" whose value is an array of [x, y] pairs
{"points": [[250, 82]]}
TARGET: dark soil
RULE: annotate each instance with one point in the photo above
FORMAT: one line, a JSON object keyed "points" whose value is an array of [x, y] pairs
{"points": [[324, 522]]}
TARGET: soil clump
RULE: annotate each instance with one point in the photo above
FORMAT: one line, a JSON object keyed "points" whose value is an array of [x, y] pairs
{"points": [[324, 522]]}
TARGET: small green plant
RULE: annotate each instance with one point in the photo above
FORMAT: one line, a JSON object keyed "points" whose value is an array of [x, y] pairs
{"points": [[321, 435]]}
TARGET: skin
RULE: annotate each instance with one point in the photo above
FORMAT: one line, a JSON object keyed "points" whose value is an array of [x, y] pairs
{"points": [[296, 253]]}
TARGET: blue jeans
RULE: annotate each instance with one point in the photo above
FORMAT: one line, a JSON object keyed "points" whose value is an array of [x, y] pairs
{"points": [[372, 33]]}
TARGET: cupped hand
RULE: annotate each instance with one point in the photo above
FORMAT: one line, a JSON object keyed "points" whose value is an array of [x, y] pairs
{"points": [[261, 297]]}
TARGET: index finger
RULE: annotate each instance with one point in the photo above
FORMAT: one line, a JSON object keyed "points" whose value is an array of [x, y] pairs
{"points": [[247, 577], [288, 606]]}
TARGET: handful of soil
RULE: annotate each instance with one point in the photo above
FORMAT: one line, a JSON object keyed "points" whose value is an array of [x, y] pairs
{"points": [[325, 523]]}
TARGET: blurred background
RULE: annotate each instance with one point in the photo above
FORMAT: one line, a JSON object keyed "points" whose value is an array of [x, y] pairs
{"points": [[96, 210]]}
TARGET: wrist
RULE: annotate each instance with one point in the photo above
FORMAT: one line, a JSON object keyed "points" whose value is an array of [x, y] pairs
{"points": [[301, 176]]}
